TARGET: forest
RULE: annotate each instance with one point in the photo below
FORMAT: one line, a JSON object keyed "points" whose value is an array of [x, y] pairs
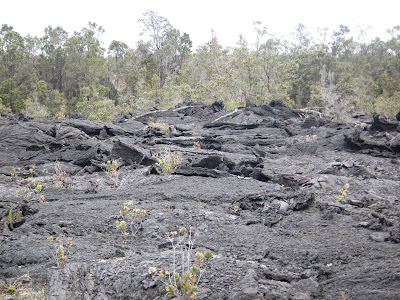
{"points": [[59, 74]]}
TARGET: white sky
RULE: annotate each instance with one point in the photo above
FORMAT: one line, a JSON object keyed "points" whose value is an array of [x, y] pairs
{"points": [[228, 19]]}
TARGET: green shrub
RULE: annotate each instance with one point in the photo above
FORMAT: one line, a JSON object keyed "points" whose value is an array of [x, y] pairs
{"points": [[131, 219], [186, 273], [3, 109], [61, 177], [35, 110], [58, 251], [388, 105], [30, 186], [168, 162], [102, 110], [344, 192]]}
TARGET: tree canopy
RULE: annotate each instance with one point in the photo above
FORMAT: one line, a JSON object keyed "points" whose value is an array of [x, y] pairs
{"points": [[61, 73]]}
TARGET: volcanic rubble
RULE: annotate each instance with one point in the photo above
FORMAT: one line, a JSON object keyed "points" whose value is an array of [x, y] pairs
{"points": [[292, 205]]}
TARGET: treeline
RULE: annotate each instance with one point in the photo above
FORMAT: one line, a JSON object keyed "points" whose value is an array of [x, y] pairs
{"points": [[57, 73]]}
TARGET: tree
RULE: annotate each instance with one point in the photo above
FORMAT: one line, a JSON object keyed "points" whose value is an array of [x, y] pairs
{"points": [[168, 46], [342, 45], [269, 53], [53, 57], [302, 39], [85, 64], [13, 91], [118, 50], [260, 32]]}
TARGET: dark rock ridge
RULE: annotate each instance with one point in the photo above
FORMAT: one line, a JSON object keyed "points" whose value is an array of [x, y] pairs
{"points": [[257, 185]]}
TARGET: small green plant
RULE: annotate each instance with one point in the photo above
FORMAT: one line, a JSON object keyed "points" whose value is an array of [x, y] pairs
{"points": [[59, 252], [168, 162], [132, 219], [111, 169], [32, 170], [15, 287], [12, 220], [10, 216], [184, 279], [14, 174], [30, 188], [12, 289], [112, 166], [60, 177], [344, 192]]}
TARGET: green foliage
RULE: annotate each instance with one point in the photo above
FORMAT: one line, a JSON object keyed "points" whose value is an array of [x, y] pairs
{"points": [[21, 288], [56, 102], [184, 279], [97, 109], [35, 110], [59, 73], [388, 105], [3, 109], [61, 256], [30, 186], [59, 252], [12, 289], [11, 219], [231, 105], [39, 188], [112, 166], [131, 219], [168, 162], [344, 192], [60, 177]]}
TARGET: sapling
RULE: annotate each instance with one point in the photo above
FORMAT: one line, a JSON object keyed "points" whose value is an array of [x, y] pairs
{"points": [[58, 252], [14, 173], [60, 177], [168, 162], [183, 280], [132, 219], [29, 188], [344, 192], [17, 284], [111, 169]]}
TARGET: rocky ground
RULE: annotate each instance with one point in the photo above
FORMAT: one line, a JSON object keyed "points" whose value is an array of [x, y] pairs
{"points": [[293, 206]]}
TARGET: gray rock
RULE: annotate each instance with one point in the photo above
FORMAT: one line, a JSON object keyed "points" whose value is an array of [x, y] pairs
{"points": [[380, 236], [289, 239]]}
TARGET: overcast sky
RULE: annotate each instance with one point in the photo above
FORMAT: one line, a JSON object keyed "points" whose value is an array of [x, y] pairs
{"points": [[228, 19]]}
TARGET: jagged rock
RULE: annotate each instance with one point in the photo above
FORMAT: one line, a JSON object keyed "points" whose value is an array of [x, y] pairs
{"points": [[381, 123], [126, 149], [210, 162]]}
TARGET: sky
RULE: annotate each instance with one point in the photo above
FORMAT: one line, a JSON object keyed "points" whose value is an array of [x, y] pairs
{"points": [[228, 19]]}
